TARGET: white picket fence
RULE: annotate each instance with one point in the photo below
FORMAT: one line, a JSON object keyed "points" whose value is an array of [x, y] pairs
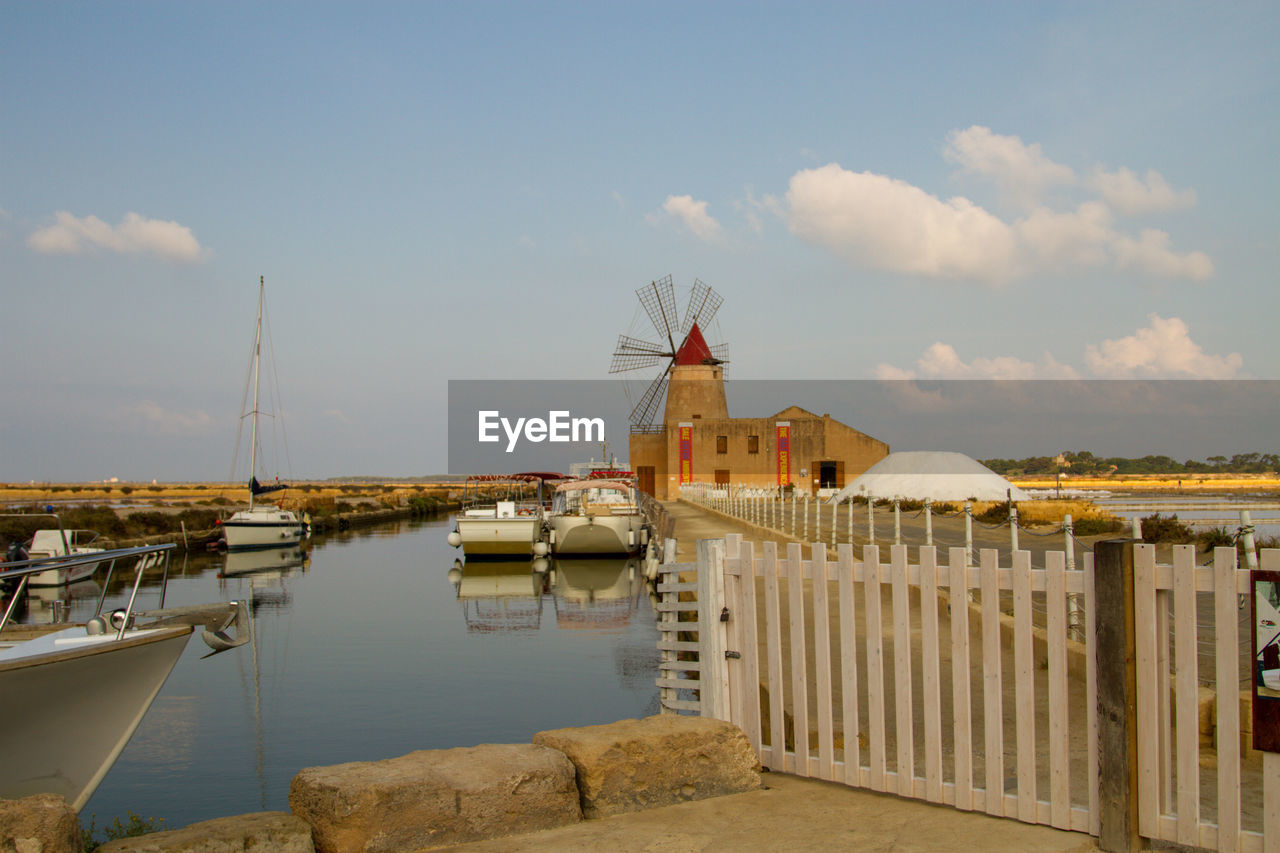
{"points": [[960, 702]]}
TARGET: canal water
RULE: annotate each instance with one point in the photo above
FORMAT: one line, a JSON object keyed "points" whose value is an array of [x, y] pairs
{"points": [[369, 647]]}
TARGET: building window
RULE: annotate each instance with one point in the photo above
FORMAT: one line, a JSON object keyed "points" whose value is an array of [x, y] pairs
{"points": [[753, 444], [722, 444]]}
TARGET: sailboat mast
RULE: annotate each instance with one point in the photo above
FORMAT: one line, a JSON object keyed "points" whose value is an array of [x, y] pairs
{"points": [[253, 433]]}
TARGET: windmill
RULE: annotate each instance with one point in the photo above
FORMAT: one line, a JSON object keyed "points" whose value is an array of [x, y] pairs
{"points": [[679, 341]]}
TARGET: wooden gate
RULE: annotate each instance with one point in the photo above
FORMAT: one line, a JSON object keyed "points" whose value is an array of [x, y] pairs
{"points": [[959, 684]]}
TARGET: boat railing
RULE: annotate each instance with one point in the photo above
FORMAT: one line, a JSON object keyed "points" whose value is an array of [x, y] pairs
{"points": [[146, 557]]}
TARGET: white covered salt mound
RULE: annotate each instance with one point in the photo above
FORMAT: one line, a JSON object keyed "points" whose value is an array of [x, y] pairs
{"points": [[936, 474]]}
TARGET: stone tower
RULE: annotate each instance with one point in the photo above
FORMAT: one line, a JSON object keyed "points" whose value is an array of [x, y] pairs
{"points": [[695, 388]]}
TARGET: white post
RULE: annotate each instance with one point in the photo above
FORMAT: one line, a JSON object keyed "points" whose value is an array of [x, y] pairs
{"points": [[897, 522], [1137, 527], [850, 521], [968, 534], [1013, 527], [1246, 535], [928, 521], [835, 509], [871, 518], [1075, 628], [806, 518], [795, 509]]}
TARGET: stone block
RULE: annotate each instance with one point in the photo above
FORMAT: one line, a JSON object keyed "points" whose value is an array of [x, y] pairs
{"points": [[262, 832], [434, 798], [41, 823], [633, 765]]}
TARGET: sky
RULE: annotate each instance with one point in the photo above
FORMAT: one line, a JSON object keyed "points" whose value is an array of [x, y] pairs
{"points": [[437, 191]]}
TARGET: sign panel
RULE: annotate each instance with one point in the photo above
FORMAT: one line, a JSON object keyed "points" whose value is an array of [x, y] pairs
{"points": [[686, 452], [1266, 660], [783, 443]]}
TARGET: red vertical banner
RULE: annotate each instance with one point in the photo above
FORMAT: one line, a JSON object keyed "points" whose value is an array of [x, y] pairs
{"points": [[784, 452], [686, 453]]}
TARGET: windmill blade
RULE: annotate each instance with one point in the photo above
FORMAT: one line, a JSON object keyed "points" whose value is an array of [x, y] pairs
{"points": [[702, 307], [634, 353], [644, 411], [720, 352], [659, 301]]}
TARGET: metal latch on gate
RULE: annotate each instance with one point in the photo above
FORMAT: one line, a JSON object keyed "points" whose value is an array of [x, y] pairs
{"points": [[732, 655], [724, 614]]}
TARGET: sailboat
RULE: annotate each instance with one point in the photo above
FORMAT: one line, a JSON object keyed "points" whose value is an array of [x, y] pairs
{"points": [[261, 525]]}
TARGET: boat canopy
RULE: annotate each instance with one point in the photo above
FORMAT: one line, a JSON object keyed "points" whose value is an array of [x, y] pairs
{"points": [[580, 485], [525, 477]]}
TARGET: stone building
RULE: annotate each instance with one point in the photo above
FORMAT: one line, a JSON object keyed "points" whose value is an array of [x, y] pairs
{"points": [[698, 442]]}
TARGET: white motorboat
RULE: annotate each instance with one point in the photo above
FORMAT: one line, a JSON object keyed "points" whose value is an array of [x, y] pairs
{"points": [[261, 525], [50, 542], [596, 518], [60, 543], [74, 696], [502, 528]]}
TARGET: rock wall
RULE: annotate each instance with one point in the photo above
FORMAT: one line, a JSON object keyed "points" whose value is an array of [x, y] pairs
{"points": [[443, 797]]}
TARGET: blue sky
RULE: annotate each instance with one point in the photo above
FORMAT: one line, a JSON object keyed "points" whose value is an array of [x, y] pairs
{"points": [[449, 190]]}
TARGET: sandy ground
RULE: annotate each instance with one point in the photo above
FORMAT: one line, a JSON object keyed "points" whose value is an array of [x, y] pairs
{"points": [[793, 814]]}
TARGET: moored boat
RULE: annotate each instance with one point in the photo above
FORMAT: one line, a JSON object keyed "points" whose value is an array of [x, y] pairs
{"points": [[596, 518], [269, 525], [485, 527], [74, 696], [59, 542]]}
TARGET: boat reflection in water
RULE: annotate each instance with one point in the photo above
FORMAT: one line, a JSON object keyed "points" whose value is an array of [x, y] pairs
{"points": [[260, 577], [599, 594], [500, 595]]}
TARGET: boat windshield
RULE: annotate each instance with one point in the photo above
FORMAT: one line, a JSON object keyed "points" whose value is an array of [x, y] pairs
{"points": [[572, 501]]}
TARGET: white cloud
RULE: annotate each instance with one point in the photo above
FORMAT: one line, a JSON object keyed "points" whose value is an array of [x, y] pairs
{"points": [[693, 215], [1163, 349], [1130, 195], [1021, 171], [1151, 253], [618, 199], [890, 224], [135, 234], [941, 361], [152, 418], [526, 242], [873, 220]]}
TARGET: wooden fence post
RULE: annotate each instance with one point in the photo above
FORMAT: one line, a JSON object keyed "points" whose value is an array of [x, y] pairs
{"points": [[1117, 696], [713, 637]]}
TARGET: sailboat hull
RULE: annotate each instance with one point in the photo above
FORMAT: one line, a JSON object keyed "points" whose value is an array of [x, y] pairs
{"points": [[262, 527]]}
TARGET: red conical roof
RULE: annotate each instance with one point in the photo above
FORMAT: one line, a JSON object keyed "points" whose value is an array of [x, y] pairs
{"points": [[694, 350]]}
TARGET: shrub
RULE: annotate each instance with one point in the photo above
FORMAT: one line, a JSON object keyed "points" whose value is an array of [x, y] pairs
{"points": [[1159, 528], [126, 490], [1214, 537], [1095, 526], [135, 827], [997, 513]]}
